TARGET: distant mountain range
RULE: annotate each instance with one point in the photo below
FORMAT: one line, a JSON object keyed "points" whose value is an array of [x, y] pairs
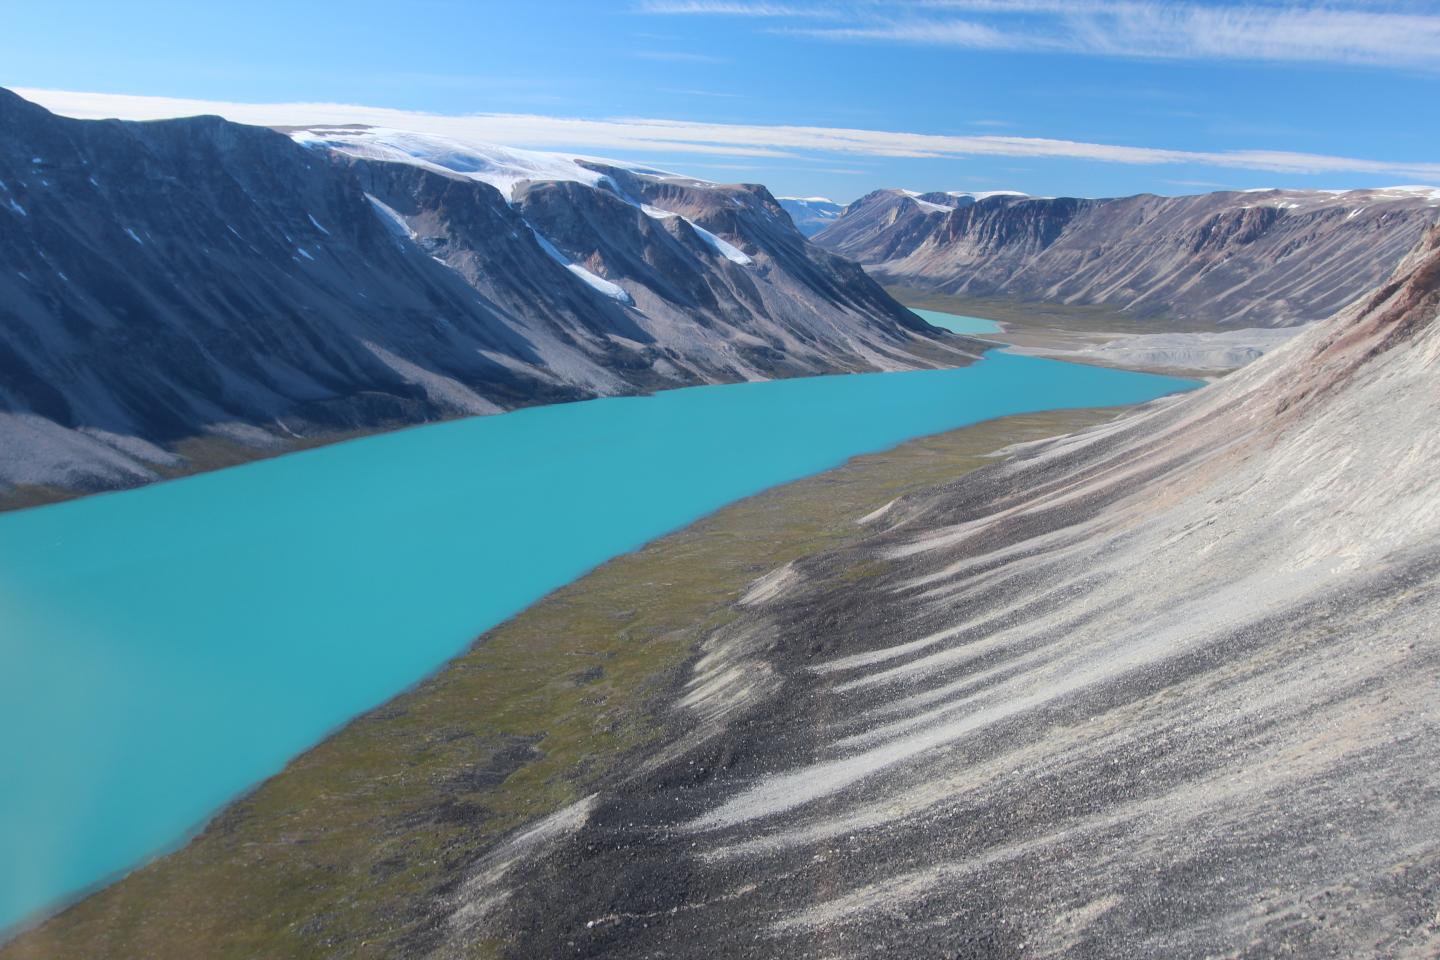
{"points": [[811, 214], [195, 280], [1242, 259]]}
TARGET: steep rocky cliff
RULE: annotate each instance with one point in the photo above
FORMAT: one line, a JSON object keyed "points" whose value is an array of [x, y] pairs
{"points": [[195, 278], [1248, 259]]}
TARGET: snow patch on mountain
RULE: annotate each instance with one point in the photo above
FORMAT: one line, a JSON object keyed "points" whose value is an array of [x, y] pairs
{"points": [[721, 246], [391, 218], [929, 207], [598, 283], [504, 168], [501, 167], [1312, 199], [983, 194]]}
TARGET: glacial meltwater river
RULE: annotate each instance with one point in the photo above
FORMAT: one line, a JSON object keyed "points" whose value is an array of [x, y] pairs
{"points": [[165, 648]]}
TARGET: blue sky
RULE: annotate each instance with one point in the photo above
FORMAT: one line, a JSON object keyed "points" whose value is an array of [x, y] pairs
{"points": [[832, 97]]}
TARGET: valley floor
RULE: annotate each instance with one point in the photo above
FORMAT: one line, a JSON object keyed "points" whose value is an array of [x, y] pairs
{"points": [[354, 849], [1108, 338]]}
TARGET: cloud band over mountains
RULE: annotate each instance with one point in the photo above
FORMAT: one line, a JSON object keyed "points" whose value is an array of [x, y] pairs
{"points": [[1377, 34], [641, 136]]}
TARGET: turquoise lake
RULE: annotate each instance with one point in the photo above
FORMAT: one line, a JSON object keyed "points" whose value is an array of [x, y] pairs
{"points": [[955, 323], [165, 648]]}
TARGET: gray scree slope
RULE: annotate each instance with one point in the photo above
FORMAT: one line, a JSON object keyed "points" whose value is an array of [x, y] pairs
{"points": [[1166, 687], [199, 278], [1247, 259]]}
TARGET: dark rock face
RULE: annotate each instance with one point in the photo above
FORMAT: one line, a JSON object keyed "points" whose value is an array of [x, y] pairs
{"points": [[199, 278], [1163, 687], [1267, 258]]}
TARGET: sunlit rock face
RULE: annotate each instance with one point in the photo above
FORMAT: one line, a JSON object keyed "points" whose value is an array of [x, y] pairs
{"points": [[1262, 258], [1162, 688], [197, 278]]}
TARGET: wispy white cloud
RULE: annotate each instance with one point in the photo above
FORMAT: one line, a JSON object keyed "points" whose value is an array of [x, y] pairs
{"points": [[969, 34], [738, 9], [1372, 34], [646, 135], [1323, 34]]}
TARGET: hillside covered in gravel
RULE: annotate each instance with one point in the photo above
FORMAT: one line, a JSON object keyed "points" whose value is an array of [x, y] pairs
{"points": [[1166, 687]]}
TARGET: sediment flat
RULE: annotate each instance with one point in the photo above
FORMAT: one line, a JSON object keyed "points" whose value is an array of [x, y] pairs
{"points": [[1106, 337]]}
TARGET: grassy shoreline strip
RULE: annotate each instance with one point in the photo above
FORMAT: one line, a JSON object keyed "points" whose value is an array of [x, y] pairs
{"points": [[343, 852]]}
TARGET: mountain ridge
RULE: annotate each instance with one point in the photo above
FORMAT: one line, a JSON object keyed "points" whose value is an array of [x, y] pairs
{"points": [[1236, 258], [196, 279]]}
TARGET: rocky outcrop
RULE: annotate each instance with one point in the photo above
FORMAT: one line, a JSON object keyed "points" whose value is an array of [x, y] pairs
{"points": [[195, 278], [1164, 687], [1248, 259]]}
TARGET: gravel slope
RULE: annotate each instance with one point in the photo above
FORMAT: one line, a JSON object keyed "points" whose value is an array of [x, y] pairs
{"points": [[1165, 687]]}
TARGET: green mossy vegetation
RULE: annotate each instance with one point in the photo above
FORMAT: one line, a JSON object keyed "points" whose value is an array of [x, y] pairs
{"points": [[348, 850]]}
